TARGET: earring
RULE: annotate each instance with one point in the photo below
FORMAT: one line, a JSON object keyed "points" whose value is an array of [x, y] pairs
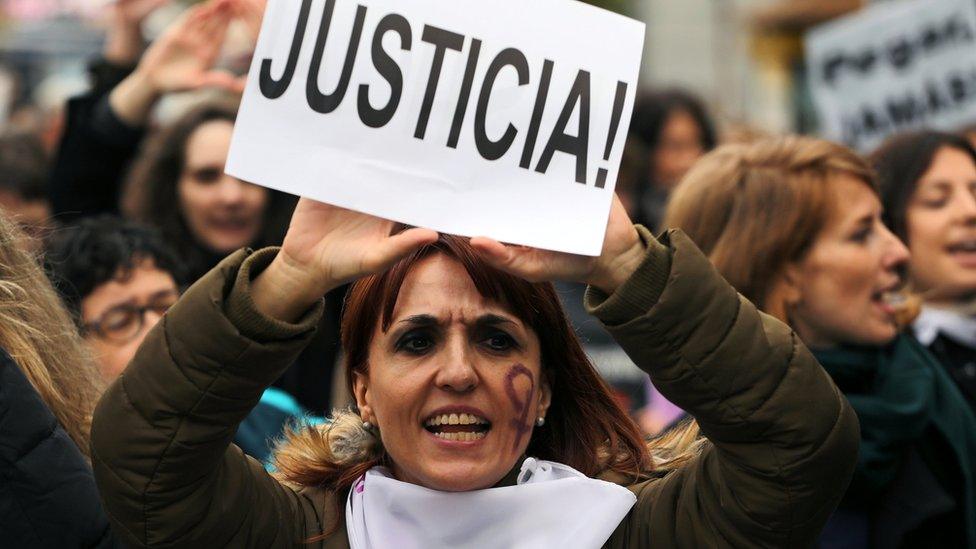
{"points": [[367, 426], [540, 422]]}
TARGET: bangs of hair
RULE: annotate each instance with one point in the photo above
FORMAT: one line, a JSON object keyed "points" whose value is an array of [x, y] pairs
{"points": [[509, 291]]}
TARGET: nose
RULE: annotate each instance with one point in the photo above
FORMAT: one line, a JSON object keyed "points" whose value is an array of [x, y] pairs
{"points": [[457, 373], [231, 190], [966, 207], [149, 320], [897, 254]]}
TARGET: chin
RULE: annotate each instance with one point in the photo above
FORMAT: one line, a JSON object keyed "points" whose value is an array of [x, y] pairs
{"points": [[460, 478], [878, 336], [962, 289]]}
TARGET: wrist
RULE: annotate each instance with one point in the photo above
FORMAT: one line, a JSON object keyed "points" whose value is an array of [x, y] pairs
{"points": [[124, 44], [611, 272], [134, 98], [143, 84], [285, 291]]}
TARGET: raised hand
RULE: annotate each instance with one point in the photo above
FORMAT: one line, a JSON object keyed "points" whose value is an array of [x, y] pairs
{"points": [[622, 254], [327, 246], [134, 12], [183, 57], [123, 41], [251, 12]]}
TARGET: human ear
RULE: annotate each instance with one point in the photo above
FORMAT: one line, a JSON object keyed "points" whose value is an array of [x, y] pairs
{"points": [[545, 398], [360, 391], [785, 293], [792, 277]]}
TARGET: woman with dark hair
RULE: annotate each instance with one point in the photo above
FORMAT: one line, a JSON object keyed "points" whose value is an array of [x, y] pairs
{"points": [[479, 422], [795, 225], [177, 182], [105, 128], [928, 186], [674, 130], [179, 185]]}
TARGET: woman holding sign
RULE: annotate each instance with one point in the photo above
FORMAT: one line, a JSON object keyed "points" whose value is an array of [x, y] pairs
{"points": [[479, 420], [796, 225]]}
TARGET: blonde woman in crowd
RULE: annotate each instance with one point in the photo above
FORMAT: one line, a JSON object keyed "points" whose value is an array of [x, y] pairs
{"points": [[795, 224], [48, 389]]}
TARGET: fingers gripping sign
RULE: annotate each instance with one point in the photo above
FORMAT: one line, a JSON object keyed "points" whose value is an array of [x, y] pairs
{"points": [[622, 252], [326, 247]]}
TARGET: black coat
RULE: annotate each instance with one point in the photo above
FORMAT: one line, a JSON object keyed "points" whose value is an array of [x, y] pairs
{"points": [[959, 360], [47, 492], [95, 151]]}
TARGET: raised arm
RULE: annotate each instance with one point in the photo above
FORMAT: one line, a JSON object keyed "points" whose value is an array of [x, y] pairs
{"points": [[104, 128], [783, 438], [161, 436]]}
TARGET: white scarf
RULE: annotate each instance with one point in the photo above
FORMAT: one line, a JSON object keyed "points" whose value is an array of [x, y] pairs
{"points": [[956, 326], [552, 505]]}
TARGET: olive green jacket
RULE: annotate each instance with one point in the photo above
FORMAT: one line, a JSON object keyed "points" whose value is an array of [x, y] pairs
{"points": [[783, 439]]}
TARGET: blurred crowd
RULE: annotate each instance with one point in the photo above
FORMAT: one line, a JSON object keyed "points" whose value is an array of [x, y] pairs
{"points": [[119, 198]]}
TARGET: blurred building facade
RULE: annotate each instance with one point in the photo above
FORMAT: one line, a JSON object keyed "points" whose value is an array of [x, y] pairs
{"points": [[745, 57]]}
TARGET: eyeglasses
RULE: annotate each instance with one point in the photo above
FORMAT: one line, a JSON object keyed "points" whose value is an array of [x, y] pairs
{"points": [[121, 324]]}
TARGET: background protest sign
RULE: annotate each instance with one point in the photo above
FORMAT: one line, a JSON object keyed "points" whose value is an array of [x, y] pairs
{"points": [[894, 66], [504, 119]]}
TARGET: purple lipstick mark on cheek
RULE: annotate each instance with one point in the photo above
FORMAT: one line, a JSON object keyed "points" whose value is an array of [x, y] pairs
{"points": [[521, 424]]}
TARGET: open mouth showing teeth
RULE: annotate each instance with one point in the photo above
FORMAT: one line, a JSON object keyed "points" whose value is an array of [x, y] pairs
{"points": [[967, 246], [458, 427], [892, 298]]}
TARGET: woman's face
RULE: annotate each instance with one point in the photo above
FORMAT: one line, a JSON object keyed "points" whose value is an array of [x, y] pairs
{"points": [[941, 226], [222, 212], [679, 147], [842, 283], [455, 385]]}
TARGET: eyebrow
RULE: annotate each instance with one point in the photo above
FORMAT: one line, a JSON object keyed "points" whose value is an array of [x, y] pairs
{"points": [[940, 184], [164, 293], [420, 321], [426, 320], [152, 296], [865, 220], [493, 320]]}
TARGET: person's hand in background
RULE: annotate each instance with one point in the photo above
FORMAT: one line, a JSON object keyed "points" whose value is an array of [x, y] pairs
{"points": [[124, 41], [182, 59]]}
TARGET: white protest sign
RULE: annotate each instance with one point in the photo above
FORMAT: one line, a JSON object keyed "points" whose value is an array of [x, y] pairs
{"points": [[504, 119], [894, 66]]}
